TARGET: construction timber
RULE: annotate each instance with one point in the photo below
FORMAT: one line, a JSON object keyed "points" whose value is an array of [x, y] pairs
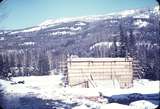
{"points": [[86, 71]]}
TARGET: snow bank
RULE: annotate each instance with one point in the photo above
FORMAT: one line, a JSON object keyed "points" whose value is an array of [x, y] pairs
{"points": [[51, 84], [50, 88], [137, 105], [142, 86], [35, 85], [142, 104], [115, 106]]}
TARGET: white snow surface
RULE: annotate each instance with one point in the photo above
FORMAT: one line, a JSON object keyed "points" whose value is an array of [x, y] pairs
{"points": [[50, 87], [2, 38], [32, 29], [141, 23], [52, 82], [143, 104], [80, 24], [72, 32], [53, 22], [62, 33], [37, 28], [135, 13], [127, 12], [156, 9], [28, 43], [103, 44], [142, 16]]}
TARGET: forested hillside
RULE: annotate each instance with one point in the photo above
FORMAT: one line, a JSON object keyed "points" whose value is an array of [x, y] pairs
{"points": [[37, 50]]}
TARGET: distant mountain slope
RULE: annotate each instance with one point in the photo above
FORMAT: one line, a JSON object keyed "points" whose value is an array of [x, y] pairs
{"points": [[81, 29], [138, 13]]}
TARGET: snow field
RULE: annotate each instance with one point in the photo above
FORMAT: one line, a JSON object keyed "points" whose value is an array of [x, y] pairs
{"points": [[50, 87]]}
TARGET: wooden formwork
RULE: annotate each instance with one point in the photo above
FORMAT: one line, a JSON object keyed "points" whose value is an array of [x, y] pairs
{"points": [[101, 69]]}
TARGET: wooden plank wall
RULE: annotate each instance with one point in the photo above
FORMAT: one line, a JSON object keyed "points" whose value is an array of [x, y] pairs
{"points": [[83, 69]]}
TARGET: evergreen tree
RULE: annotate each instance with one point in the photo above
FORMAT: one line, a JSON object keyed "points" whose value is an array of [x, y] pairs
{"points": [[27, 66], [123, 43], [157, 49], [131, 44], [115, 48], [43, 65], [20, 64], [1, 65], [4, 66], [12, 61]]}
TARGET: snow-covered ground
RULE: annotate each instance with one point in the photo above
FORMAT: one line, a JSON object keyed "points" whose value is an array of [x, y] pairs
{"points": [[49, 90]]}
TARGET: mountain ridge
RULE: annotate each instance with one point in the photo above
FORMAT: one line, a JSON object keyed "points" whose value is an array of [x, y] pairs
{"points": [[91, 18]]}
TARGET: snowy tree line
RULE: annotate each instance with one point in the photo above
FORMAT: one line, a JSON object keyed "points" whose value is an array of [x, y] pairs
{"points": [[28, 62]]}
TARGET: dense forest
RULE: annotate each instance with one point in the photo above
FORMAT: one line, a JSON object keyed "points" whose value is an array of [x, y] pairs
{"points": [[28, 51]]}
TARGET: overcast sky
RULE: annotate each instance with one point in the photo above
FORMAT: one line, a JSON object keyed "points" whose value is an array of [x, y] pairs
{"points": [[26, 13]]}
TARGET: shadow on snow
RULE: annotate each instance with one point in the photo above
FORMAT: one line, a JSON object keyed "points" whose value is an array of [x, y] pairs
{"points": [[35, 103], [128, 98]]}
